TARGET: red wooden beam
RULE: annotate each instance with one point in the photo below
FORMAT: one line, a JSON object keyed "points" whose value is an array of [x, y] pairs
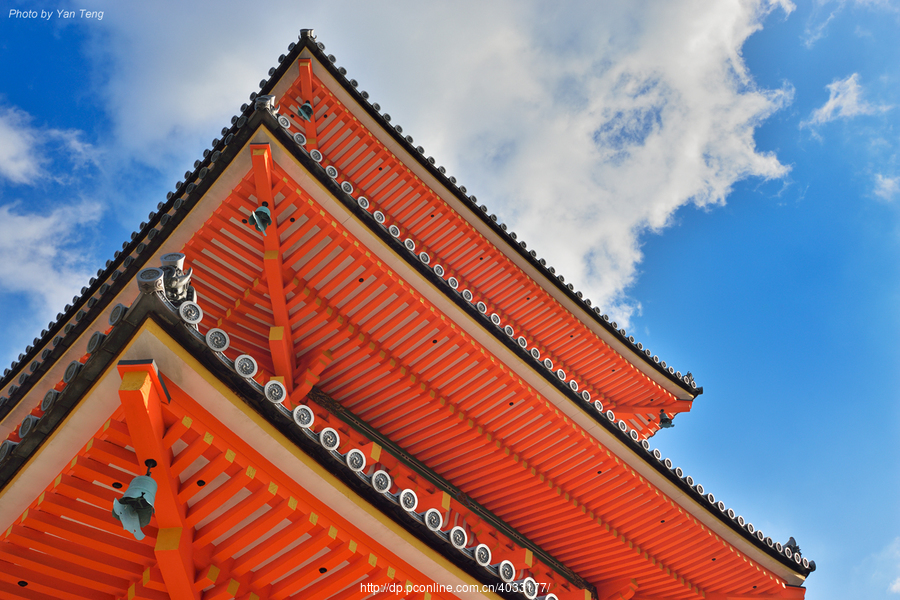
{"points": [[48, 585], [90, 538], [280, 343], [13, 591], [618, 589], [225, 590], [140, 394], [66, 571], [82, 512], [246, 507], [338, 552], [306, 95], [250, 532], [336, 581]]}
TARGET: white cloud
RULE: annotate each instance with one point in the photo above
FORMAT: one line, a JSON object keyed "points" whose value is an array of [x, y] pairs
{"points": [[24, 151], [38, 256], [583, 126], [886, 188], [20, 158], [817, 29], [880, 570], [844, 101], [817, 26]]}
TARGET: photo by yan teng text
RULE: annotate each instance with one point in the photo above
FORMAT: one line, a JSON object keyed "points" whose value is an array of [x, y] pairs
{"points": [[46, 15]]}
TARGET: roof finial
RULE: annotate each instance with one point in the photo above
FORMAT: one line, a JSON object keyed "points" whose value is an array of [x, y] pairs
{"points": [[266, 102], [792, 544]]}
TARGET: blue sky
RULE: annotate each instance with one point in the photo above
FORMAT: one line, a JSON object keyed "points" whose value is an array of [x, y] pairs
{"points": [[722, 176]]}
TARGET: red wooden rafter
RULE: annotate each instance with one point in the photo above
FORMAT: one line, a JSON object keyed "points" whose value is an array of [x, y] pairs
{"points": [[402, 366]]}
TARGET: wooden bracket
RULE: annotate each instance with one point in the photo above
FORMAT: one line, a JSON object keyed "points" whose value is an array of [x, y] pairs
{"points": [[310, 373], [283, 357]]}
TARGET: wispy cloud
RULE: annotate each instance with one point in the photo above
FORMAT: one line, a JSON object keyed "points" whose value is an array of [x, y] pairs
{"points": [[39, 254], [880, 571], [641, 111], [888, 5], [46, 241], [886, 188], [844, 101], [817, 24], [25, 148], [817, 27], [20, 157]]}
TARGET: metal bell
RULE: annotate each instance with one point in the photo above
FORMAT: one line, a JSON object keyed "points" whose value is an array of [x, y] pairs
{"points": [[305, 111], [664, 421], [135, 507], [261, 218]]}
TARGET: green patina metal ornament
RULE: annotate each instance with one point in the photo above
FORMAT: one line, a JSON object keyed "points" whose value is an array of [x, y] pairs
{"points": [[135, 507], [261, 218], [664, 421], [305, 111]]}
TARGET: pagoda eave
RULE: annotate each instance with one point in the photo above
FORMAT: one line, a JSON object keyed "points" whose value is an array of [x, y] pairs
{"points": [[394, 141], [261, 130], [148, 332], [327, 192]]}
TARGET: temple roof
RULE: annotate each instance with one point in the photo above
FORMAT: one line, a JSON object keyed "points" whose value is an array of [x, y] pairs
{"points": [[576, 412], [550, 278]]}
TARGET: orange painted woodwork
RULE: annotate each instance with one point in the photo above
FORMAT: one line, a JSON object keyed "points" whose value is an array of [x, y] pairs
{"points": [[181, 562]]}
